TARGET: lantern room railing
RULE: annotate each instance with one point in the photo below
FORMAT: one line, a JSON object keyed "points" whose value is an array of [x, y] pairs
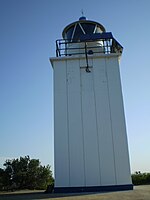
{"points": [[90, 44]]}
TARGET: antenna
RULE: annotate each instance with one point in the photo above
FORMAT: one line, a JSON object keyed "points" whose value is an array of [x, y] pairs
{"points": [[82, 17], [82, 12]]}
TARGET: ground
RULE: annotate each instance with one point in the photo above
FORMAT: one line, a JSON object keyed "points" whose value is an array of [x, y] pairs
{"points": [[139, 193]]}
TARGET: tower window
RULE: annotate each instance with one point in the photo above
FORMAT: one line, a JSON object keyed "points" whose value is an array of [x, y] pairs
{"points": [[69, 33], [88, 28], [77, 33]]}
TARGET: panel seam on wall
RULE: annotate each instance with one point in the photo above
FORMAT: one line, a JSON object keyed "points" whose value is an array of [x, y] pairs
{"points": [[111, 120], [96, 123], [54, 85], [124, 118], [82, 126], [68, 119]]}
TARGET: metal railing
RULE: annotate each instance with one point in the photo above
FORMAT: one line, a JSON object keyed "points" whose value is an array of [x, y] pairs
{"points": [[102, 46]]}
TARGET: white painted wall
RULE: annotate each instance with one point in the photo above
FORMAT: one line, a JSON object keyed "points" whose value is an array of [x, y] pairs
{"points": [[89, 133]]}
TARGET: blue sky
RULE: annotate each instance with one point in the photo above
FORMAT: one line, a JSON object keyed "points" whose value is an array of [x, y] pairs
{"points": [[28, 30]]}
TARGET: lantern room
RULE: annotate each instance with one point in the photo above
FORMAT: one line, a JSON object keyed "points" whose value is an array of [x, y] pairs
{"points": [[76, 30], [86, 37]]}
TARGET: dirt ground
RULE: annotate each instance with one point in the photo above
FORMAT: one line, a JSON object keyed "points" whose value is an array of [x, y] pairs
{"points": [[139, 193]]}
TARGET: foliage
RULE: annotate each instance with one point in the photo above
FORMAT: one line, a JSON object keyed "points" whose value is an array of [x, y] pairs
{"points": [[4, 179], [25, 173], [139, 178]]}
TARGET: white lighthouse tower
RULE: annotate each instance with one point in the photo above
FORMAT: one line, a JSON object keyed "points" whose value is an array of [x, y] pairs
{"points": [[90, 140]]}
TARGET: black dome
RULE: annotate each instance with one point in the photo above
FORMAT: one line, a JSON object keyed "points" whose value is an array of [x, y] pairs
{"points": [[82, 18], [74, 30]]}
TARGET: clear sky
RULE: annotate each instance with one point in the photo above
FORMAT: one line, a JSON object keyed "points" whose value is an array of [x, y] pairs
{"points": [[28, 30]]}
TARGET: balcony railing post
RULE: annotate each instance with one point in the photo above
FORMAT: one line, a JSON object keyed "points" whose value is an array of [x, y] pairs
{"points": [[109, 45]]}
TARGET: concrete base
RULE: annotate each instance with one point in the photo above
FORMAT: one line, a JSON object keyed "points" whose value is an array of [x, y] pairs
{"points": [[93, 188]]}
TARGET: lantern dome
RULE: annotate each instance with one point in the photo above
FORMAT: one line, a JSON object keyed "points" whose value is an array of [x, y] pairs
{"points": [[75, 30]]}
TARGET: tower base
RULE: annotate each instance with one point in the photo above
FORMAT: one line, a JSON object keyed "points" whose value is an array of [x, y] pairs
{"points": [[93, 188]]}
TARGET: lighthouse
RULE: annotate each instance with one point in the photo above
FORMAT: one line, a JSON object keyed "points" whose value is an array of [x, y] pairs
{"points": [[90, 139]]}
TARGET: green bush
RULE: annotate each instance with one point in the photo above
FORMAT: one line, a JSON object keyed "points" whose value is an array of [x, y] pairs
{"points": [[139, 178], [25, 173]]}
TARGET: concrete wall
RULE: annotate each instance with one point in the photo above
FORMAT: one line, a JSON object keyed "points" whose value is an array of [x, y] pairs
{"points": [[90, 138]]}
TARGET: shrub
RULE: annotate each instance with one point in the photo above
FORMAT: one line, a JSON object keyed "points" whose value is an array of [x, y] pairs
{"points": [[139, 178], [25, 173]]}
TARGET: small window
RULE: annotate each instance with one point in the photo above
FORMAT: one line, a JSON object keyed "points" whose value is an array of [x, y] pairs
{"points": [[69, 33], [98, 30], [88, 28], [78, 32]]}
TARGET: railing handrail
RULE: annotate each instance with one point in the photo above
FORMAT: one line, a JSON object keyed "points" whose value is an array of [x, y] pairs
{"points": [[106, 46]]}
